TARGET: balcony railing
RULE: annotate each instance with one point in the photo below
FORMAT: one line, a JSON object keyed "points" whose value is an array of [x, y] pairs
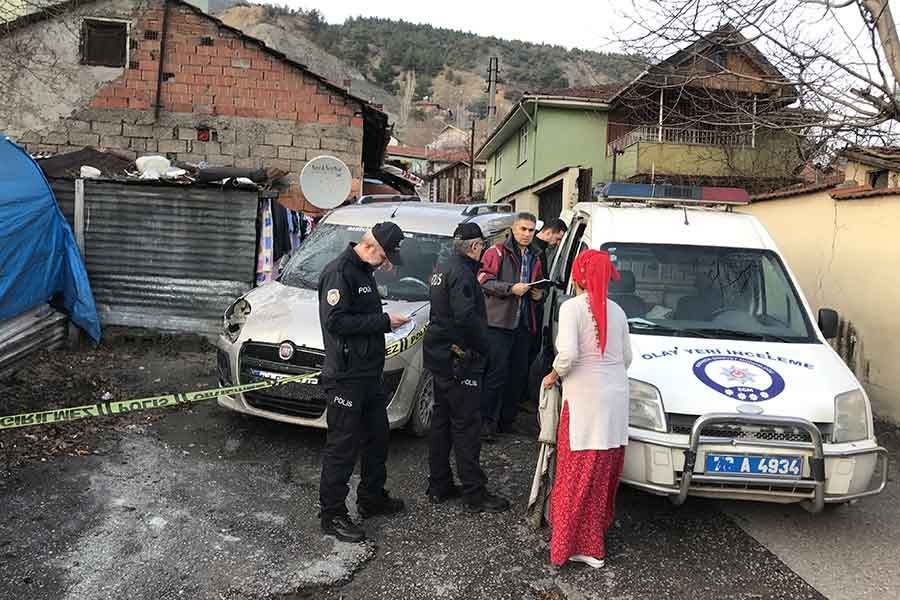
{"points": [[680, 135]]}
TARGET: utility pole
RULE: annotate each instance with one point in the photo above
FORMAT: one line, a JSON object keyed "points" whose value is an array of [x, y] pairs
{"points": [[493, 69], [471, 161]]}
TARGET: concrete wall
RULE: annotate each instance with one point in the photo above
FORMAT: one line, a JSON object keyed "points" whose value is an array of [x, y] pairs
{"points": [[774, 156], [264, 112], [845, 254]]}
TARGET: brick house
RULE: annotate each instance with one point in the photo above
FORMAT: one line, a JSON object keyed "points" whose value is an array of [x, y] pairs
{"points": [[160, 76]]}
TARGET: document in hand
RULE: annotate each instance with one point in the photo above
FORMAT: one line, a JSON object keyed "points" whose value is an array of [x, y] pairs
{"points": [[541, 284]]}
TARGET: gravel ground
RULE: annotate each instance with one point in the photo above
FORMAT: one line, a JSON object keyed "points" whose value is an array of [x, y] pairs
{"points": [[201, 503]]}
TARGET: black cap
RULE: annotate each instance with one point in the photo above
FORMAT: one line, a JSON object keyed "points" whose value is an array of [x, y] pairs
{"points": [[468, 231], [389, 235]]}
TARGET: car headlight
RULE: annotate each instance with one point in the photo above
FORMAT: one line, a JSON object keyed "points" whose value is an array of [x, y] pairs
{"points": [[235, 318], [645, 409], [851, 417]]}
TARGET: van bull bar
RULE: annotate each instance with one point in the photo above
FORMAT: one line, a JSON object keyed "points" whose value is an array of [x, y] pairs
{"points": [[814, 453]]}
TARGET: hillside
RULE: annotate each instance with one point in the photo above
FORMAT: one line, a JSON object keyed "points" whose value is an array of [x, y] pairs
{"points": [[398, 64]]}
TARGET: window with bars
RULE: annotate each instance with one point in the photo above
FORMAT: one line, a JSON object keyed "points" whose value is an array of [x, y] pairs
{"points": [[104, 43]]}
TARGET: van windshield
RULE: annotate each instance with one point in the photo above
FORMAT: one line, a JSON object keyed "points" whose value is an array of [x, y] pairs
{"points": [[705, 291], [409, 281]]}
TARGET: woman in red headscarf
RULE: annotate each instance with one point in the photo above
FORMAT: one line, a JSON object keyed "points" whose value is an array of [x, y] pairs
{"points": [[593, 353]]}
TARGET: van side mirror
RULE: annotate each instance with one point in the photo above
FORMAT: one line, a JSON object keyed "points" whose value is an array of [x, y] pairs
{"points": [[828, 323]]}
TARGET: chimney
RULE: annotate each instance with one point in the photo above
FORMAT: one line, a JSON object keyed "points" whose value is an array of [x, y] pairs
{"points": [[347, 83]]}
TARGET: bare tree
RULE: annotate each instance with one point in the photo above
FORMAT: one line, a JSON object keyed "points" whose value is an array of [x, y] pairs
{"points": [[821, 70]]}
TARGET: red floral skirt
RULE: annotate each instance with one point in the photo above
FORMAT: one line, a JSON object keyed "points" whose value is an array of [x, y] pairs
{"points": [[582, 503]]}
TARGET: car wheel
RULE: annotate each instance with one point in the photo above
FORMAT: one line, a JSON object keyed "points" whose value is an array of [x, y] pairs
{"points": [[423, 406]]}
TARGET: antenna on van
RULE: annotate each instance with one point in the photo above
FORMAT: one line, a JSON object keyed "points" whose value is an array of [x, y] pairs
{"points": [[684, 208]]}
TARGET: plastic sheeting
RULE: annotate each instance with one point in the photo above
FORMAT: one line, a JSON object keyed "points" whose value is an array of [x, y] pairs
{"points": [[38, 254]]}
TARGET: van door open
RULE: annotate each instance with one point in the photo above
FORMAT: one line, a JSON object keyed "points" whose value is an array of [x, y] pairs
{"points": [[560, 274]]}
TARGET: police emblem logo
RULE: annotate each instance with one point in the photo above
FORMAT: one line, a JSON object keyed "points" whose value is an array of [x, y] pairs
{"points": [[739, 378], [333, 297]]}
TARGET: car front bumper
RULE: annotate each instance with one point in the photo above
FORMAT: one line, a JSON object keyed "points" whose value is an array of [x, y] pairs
{"points": [[673, 465], [229, 369]]}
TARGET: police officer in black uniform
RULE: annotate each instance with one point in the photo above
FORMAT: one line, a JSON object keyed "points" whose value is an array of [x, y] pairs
{"points": [[353, 328], [455, 351]]}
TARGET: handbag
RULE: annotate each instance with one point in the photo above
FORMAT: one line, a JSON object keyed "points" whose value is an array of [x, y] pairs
{"points": [[548, 413]]}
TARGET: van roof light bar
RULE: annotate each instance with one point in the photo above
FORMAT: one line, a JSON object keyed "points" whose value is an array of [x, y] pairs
{"points": [[674, 194]]}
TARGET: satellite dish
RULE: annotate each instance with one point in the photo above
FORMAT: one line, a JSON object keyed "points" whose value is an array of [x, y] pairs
{"points": [[325, 181]]}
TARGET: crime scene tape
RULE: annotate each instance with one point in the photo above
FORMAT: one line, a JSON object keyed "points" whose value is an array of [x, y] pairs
{"points": [[118, 407]]}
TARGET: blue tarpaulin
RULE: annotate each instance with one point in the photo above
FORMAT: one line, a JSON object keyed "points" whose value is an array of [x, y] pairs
{"points": [[38, 254]]}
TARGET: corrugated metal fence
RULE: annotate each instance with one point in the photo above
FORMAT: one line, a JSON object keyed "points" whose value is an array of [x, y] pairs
{"points": [[162, 256], [40, 328]]}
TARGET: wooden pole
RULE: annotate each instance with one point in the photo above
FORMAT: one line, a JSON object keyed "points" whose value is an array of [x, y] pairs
{"points": [[78, 226]]}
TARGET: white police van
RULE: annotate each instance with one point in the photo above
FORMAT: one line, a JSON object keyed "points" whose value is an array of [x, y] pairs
{"points": [[735, 392]]}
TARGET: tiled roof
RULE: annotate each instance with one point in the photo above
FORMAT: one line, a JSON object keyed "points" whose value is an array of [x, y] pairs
{"points": [[411, 151], [885, 157], [863, 192], [448, 155], [799, 190], [605, 91]]}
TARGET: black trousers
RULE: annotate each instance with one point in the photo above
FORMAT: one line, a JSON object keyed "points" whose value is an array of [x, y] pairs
{"points": [[506, 377], [456, 424], [357, 424]]}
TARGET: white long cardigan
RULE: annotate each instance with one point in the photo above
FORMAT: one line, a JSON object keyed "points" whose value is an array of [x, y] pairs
{"points": [[595, 385]]}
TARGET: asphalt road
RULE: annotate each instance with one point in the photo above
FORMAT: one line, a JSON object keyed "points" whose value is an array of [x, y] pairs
{"points": [[207, 504]]}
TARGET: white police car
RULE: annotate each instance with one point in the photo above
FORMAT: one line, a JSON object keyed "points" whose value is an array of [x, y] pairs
{"points": [[273, 331], [735, 392]]}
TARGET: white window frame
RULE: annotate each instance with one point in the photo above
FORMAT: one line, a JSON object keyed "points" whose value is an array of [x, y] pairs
{"points": [[523, 144], [498, 166]]}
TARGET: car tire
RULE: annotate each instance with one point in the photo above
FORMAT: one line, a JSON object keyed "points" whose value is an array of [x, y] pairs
{"points": [[423, 406]]}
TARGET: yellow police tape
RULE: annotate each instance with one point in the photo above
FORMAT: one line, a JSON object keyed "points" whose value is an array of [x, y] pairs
{"points": [[118, 407]]}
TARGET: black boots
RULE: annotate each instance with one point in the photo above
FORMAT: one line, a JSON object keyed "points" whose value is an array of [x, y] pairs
{"points": [[343, 528], [372, 506], [487, 502], [441, 497]]}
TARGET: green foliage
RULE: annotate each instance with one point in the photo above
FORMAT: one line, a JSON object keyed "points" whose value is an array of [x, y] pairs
{"points": [[429, 50], [384, 76], [478, 107], [453, 78], [423, 87]]}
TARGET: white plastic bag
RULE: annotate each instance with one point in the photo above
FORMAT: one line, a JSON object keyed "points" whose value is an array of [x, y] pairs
{"points": [[88, 172], [156, 163]]}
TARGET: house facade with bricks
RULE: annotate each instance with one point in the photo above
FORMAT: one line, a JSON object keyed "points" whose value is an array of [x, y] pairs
{"points": [[142, 77]]}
